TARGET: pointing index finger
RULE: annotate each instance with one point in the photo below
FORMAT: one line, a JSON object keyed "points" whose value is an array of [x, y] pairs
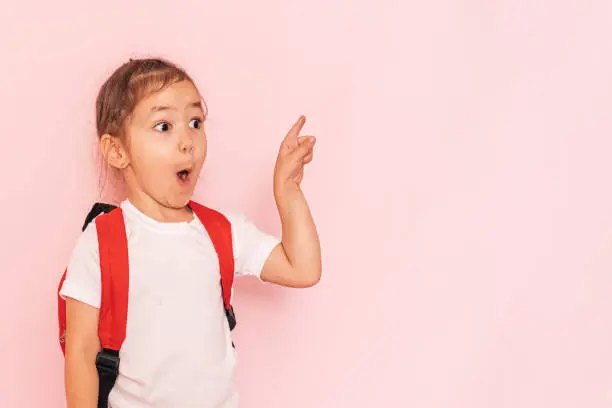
{"points": [[297, 127]]}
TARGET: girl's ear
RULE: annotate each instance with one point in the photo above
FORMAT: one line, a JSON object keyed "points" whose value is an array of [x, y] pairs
{"points": [[113, 151]]}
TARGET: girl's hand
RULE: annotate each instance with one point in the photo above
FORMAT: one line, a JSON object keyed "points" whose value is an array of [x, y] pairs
{"points": [[295, 152]]}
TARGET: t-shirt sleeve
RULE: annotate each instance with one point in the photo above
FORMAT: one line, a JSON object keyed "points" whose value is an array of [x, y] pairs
{"points": [[252, 246], [83, 277]]}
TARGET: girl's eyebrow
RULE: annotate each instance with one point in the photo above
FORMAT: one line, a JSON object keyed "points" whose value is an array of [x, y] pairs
{"points": [[160, 108]]}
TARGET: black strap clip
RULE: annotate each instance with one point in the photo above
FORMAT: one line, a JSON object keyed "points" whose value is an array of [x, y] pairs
{"points": [[107, 363]]}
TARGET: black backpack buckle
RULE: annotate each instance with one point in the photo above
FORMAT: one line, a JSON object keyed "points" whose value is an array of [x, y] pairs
{"points": [[107, 363]]}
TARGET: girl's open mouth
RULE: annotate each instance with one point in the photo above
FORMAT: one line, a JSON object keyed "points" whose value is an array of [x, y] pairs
{"points": [[184, 176]]}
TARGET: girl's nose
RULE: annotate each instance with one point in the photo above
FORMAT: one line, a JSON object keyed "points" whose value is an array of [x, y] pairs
{"points": [[186, 144]]}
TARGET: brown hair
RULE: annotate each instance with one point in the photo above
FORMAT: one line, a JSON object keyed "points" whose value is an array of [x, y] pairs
{"points": [[129, 84]]}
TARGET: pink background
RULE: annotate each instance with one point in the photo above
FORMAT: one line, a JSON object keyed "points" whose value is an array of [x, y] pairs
{"points": [[460, 185]]}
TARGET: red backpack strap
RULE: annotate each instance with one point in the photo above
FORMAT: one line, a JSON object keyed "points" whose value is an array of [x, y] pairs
{"points": [[220, 231], [114, 268]]}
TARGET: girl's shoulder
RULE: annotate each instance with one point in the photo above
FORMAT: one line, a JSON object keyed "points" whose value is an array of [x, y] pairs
{"points": [[234, 217], [86, 244], [83, 269]]}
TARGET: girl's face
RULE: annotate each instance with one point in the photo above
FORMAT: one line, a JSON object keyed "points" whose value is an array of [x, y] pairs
{"points": [[166, 146]]}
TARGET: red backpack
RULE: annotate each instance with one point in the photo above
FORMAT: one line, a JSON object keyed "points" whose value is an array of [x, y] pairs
{"points": [[112, 242]]}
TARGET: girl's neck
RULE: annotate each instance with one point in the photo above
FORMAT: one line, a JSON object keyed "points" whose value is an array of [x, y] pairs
{"points": [[158, 211]]}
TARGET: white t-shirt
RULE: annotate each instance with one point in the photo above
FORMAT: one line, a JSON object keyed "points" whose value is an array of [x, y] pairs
{"points": [[178, 351]]}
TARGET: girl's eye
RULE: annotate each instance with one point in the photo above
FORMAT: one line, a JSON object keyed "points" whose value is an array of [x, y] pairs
{"points": [[162, 127], [195, 123]]}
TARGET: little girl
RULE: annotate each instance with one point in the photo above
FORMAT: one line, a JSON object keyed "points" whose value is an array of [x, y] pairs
{"points": [[177, 351]]}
